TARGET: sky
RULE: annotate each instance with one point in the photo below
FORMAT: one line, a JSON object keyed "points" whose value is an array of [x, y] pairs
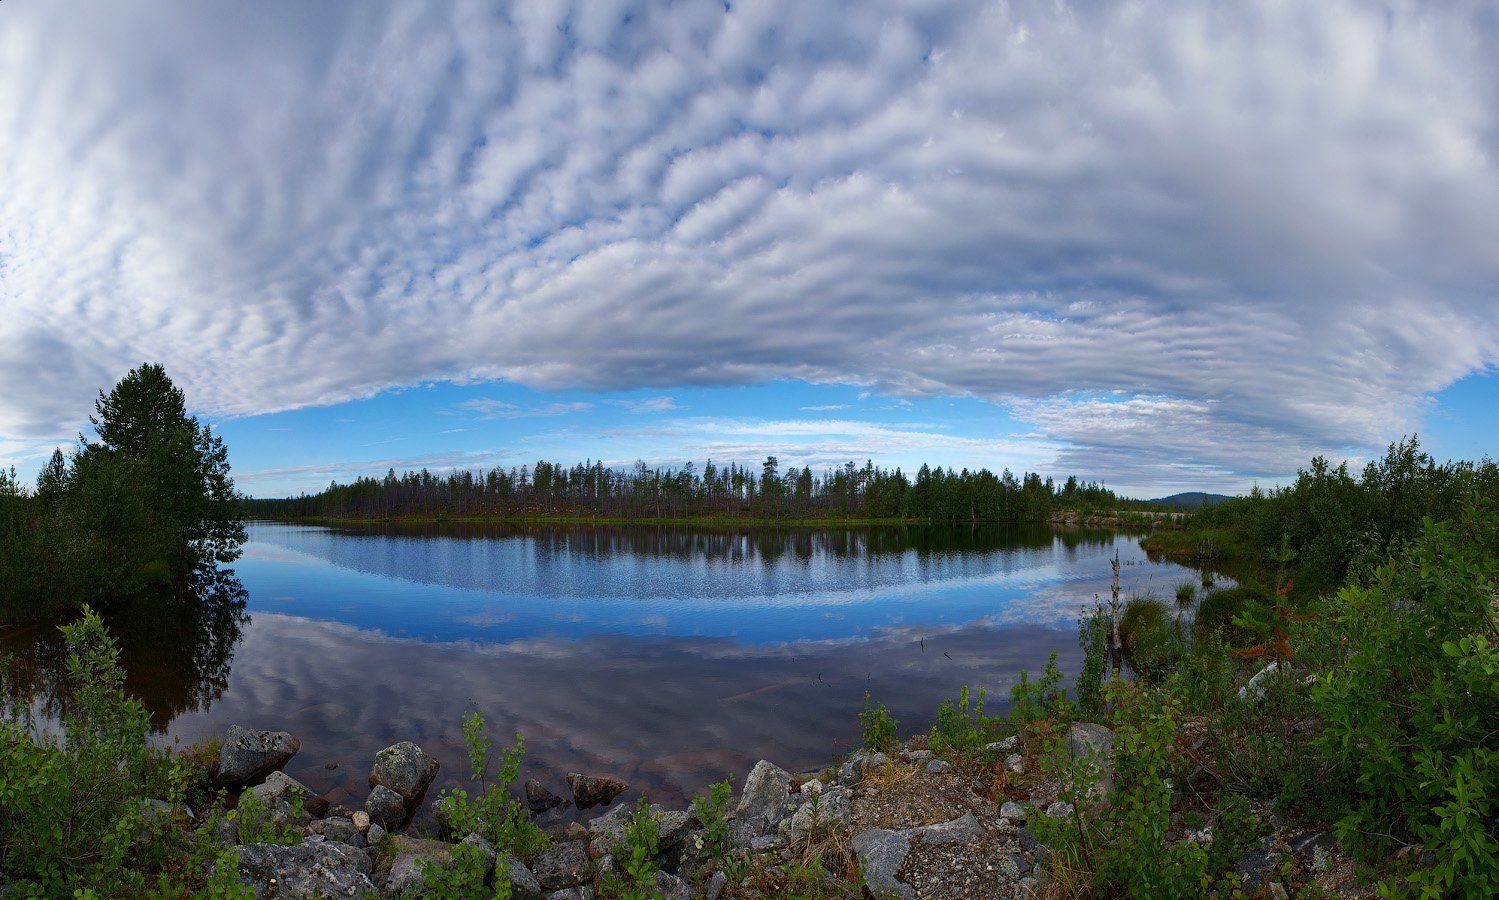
{"points": [[1162, 245]]}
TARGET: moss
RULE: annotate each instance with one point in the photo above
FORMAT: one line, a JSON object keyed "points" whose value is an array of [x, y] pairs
{"points": [[1145, 632]]}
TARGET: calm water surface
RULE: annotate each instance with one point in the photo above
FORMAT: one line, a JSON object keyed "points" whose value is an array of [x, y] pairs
{"points": [[672, 657]]}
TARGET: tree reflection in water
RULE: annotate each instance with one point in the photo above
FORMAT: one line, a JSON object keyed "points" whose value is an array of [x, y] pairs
{"points": [[176, 651]]}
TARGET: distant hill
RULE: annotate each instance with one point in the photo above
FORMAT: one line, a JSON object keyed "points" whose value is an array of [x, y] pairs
{"points": [[1190, 500]]}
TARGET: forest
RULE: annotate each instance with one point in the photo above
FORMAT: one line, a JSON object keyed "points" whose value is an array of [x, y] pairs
{"points": [[727, 491]]}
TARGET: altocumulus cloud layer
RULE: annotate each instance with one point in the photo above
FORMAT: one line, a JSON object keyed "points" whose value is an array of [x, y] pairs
{"points": [[1235, 236]]}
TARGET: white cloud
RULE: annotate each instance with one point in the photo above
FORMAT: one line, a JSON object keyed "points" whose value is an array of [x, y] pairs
{"points": [[1270, 226], [648, 404], [490, 408], [830, 407]]}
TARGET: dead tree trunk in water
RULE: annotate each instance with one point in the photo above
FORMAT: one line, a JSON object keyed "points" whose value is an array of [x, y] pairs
{"points": [[1116, 648]]}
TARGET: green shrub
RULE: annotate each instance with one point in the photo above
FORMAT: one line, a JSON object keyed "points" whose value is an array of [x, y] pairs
{"points": [[877, 725], [1093, 634], [466, 878], [253, 824], [75, 811], [493, 812], [1216, 612], [1145, 633], [962, 727], [636, 858], [713, 811], [1032, 701], [1407, 697]]}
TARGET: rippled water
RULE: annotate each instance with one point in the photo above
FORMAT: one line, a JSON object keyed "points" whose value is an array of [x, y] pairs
{"points": [[672, 657]]}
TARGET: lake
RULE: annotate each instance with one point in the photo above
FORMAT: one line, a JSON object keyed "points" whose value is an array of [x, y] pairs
{"points": [[669, 656]]}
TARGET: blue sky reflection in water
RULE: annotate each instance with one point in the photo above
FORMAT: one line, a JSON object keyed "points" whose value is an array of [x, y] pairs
{"points": [[670, 657]]}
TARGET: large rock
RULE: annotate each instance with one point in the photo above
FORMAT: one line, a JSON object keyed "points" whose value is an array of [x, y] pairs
{"points": [[246, 757], [539, 798], [281, 794], [386, 808], [1257, 865], [963, 830], [860, 764], [411, 856], [594, 790], [881, 853], [766, 799], [523, 884], [563, 866], [823, 813], [322, 869], [670, 887], [1094, 744], [406, 769]]}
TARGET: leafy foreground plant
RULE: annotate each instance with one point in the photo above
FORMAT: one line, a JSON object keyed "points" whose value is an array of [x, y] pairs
{"points": [[493, 812], [76, 811], [636, 858], [713, 812], [877, 725]]}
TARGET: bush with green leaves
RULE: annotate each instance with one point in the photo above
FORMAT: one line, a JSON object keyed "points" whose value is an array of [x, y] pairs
{"points": [[492, 811], [962, 727], [467, 878], [877, 726], [1218, 609], [1093, 634], [1121, 848], [76, 810], [636, 858], [1032, 701], [712, 811], [1407, 693]]}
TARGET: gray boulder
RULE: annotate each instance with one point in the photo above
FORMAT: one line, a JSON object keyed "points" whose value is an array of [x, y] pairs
{"points": [[1012, 810], [827, 811], [322, 869], [1008, 745], [412, 855], [1094, 744], [766, 799], [337, 828], [881, 853], [406, 769], [670, 887], [594, 790], [539, 798], [246, 756], [860, 764], [563, 866], [963, 830], [1256, 866], [938, 767], [386, 808], [523, 884], [280, 792]]}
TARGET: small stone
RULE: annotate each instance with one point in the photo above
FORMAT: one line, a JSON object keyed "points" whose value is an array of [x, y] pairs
{"points": [[361, 820], [281, 792], [523, 884], [918, 756], [826, 812], [1059, 810], [860, 764], [1015, 764], [374, 834], [814, 786], [670, 887], [1008, 745], [594, 790], [881, 853], [938, 767], [1012, 810]]}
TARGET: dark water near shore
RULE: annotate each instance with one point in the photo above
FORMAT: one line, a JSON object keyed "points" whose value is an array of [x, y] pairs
{"points": [[672, 657]]}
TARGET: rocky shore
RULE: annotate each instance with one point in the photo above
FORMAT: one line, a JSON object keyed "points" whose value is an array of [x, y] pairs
{"points": [[907, 824]]}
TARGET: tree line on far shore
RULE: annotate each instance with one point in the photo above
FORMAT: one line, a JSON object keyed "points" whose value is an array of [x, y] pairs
{"points": [[711, 491]]}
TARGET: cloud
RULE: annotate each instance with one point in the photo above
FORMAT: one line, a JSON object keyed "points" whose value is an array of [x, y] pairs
{"points": [[1262, 223], [488, 408], [648, 404], [829, 407]]}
